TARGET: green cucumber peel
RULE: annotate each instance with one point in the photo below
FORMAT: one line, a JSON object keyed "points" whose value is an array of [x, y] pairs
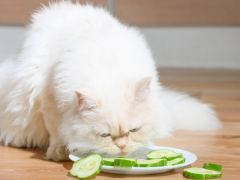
{"points": [[124, 162], [151, 163], [108, 161], [87, 167], [211, 166], [200, 173]]}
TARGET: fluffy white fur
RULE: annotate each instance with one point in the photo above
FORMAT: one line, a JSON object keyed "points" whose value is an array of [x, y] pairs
{"points": [[81, 73]]}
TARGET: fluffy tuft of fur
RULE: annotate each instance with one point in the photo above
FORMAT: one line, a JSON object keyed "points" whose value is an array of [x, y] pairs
{"points": [[84, 81], [190, 113]]}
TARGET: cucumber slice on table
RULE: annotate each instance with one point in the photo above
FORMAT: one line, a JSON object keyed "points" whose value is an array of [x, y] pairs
{"points": [[211, 166], [124, 162], [200, 173], [163, 153], [176, 161], [108, 161], [87, 167], [151, 163]]}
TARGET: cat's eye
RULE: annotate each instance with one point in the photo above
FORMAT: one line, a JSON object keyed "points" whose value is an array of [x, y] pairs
{"points": [[135, 129], [105, 134]]}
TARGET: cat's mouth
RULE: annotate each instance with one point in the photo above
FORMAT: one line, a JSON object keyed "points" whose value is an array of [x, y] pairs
{"points": [[122, 153]]}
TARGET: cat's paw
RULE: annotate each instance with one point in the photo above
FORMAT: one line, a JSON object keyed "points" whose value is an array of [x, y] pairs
{"points": [[57, 153]]}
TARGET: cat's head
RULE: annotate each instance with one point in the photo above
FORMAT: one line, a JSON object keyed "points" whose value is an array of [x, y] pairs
{"points": [[117, 123]]}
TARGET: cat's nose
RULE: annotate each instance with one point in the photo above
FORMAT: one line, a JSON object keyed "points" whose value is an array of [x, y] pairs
{"points": [[121, 146]]}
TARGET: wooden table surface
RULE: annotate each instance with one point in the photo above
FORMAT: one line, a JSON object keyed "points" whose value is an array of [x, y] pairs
{"points": [[221, 88]]}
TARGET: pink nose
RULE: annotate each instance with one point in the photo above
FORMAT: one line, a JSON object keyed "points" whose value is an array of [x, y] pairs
{"points": [[121, 147]]}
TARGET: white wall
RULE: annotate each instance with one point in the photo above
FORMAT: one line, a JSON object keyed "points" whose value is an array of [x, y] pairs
{"points": [[198, 47], [10, 39], [195, 47]]}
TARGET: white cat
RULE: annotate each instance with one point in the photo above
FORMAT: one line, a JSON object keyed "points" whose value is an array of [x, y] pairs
{"points": [[84, 81]]}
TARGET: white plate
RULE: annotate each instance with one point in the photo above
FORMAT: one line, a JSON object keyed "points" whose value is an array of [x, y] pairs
{"points": [[140, 154]]}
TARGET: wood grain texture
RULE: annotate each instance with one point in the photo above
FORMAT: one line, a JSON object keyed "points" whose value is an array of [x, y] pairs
{"points": [[178, 12], [220, 87], [19, 11]]}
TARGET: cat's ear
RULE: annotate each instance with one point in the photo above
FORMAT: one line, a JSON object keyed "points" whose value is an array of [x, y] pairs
{"points": [[85, 102], [142, 89]]}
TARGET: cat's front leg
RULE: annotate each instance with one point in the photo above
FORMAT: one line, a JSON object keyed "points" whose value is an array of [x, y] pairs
{"points": [[57, 151]]}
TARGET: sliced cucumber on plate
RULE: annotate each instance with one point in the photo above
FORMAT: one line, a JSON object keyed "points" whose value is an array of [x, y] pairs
{"points": [[176, 161], [163, 153], [108, 161], [124, 162], [151, 163]]}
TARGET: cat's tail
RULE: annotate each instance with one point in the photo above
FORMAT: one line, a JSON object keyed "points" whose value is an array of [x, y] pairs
{"points": [[190, 113]]}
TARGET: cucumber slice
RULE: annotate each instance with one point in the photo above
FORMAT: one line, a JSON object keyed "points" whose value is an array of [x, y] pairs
{"points": [[200, 173], [87, 167], [163, 162], [124, 162], [163, 153], [211, 166], [176, 161], [108, 161], [151, 163]]}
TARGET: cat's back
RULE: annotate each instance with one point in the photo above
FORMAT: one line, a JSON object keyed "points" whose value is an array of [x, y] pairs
{"points": [[89, 32], [69, 16], [61, 24], [85, 40]]}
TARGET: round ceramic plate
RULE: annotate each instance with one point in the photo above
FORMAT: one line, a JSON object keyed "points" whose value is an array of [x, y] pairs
{"points": [[141, 154]]}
